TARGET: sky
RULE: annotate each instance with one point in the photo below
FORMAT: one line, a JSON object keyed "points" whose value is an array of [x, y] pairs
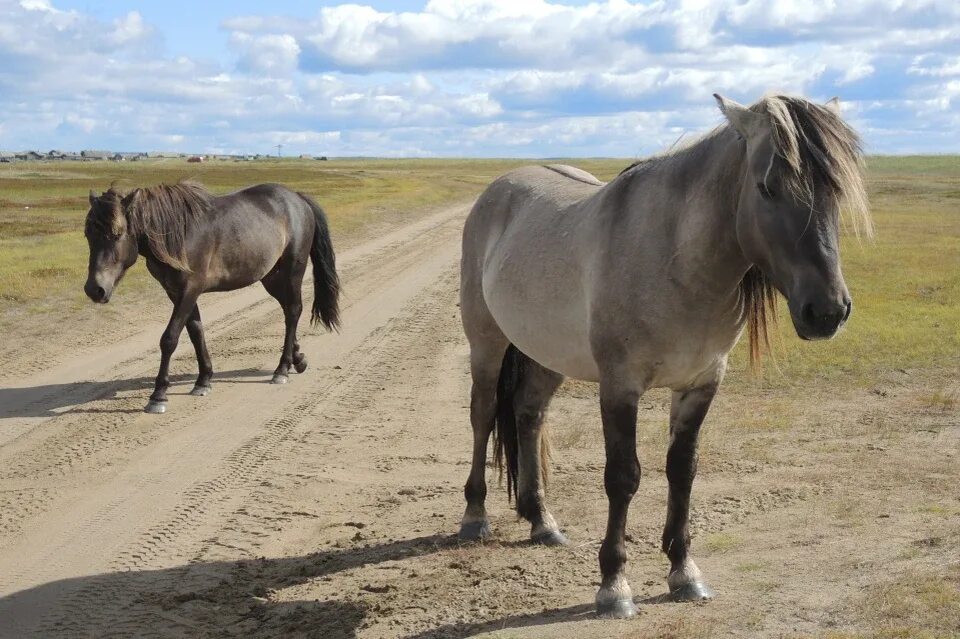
{"points": [[465, 78]]}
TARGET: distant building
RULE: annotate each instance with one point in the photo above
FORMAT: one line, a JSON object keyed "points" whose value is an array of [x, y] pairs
{"points": [[96, 155], [29, 155]]}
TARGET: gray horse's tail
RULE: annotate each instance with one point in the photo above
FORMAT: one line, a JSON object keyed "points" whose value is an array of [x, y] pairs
{"points": [[521, 376], [326, 282], [506, 445]]}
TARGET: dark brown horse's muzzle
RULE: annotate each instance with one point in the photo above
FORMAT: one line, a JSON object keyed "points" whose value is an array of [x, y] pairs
{"points": [[96, 293]]}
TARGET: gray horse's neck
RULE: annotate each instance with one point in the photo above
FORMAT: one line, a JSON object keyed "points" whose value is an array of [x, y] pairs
{"points": [[690, 197]]}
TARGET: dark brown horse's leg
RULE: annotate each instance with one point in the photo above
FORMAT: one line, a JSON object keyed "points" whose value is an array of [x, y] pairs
{"points": [[290, 299], [485, 364], [299, 359], [621, 478], [168, 344], [687, 412], [195, 330], [538, 386]]}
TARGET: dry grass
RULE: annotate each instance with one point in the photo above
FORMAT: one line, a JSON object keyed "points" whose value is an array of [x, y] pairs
{"points": [[914, 606]]}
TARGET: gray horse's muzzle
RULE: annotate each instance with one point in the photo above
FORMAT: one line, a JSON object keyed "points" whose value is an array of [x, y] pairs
{"points": [[820, 319]]}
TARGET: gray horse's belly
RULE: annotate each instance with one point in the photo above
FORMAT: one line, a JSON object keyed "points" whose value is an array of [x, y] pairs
{"points": [[548, 324]]}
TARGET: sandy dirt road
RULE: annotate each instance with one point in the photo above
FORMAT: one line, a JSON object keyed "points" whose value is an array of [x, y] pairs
{"points": [[327, 507]]}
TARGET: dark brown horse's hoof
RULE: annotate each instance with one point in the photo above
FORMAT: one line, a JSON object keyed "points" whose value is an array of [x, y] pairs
{"points": [[300, 365], [474, 531], [279, 378], [155, 408], [550, 538], [200, 391], [617, 609], [693, 591]]}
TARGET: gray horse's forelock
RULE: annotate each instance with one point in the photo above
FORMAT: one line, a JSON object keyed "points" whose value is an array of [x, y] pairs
{"points": [[819, 148]]}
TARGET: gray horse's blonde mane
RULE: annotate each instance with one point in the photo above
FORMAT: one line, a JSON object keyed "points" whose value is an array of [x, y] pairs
{"points": [[820, 149], [164, 214]]}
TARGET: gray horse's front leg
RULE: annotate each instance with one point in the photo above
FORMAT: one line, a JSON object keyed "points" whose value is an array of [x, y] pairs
{"points": [[621, 478], [687, 412]]}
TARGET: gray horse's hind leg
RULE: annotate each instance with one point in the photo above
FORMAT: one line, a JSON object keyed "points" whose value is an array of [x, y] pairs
{"points": [[687, 413], [537, 387], [485, 361]]}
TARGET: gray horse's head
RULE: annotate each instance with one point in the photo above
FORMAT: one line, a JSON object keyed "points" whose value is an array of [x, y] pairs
{"points": [[803, 166], [113, 248]]}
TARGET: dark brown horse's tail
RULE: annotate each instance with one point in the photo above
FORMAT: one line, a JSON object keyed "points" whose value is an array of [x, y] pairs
{"points": [[506, 445], [326, 283]]}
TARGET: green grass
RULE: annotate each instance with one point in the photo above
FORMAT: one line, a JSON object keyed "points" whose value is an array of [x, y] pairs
{"points": [[721, 542], [905, 283]]}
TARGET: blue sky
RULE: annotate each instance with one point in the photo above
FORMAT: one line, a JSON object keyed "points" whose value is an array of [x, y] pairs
{"points": [[529, 78]]}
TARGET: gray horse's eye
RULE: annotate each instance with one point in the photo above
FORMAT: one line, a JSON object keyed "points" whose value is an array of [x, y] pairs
{"points": [[765, 191]]}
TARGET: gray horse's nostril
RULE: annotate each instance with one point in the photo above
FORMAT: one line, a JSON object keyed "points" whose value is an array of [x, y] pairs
{"points": [[849, 310]]}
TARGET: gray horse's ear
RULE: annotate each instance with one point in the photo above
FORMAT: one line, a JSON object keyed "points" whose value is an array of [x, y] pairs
{"points": [[833, 104], [93, 197], [745, 121]]}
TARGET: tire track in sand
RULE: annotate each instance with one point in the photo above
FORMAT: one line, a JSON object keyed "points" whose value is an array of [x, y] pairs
{"points": [[185, 471]]}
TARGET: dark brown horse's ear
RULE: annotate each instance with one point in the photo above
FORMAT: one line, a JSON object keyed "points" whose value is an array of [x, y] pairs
{"points": [[93, 197]]}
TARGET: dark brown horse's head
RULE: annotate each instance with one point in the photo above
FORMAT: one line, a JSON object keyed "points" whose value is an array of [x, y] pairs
{"points": [[113, 248], [802, 166]]}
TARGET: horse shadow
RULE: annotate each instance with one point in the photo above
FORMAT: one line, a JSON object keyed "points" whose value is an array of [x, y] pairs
{"points": [[206, 598], [50, 400], [580, 612], [231, 598]]}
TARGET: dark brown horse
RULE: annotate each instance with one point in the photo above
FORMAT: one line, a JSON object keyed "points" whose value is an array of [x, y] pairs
{"points": [[196, 242]]}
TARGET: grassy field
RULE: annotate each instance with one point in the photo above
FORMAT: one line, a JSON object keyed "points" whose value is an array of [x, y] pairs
{"points": [[905, 283]]}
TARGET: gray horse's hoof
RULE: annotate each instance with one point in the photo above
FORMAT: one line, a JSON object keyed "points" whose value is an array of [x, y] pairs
{"points": [[300, 365], [280, 379], [155, 408], [693, 591], [200, 391], [550, 538], [617, 609], [474, 531]]}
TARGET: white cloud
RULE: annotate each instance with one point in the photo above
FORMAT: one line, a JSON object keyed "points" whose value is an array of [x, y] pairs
{"points": [[271, 54], [491, 77]]}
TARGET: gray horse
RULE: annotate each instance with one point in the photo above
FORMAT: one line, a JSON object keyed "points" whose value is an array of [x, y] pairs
{"points": [[195, 242], [648, 281]]}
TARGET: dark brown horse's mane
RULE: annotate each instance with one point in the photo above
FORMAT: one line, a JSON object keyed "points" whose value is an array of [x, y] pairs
{"points": [[161, 214]]}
